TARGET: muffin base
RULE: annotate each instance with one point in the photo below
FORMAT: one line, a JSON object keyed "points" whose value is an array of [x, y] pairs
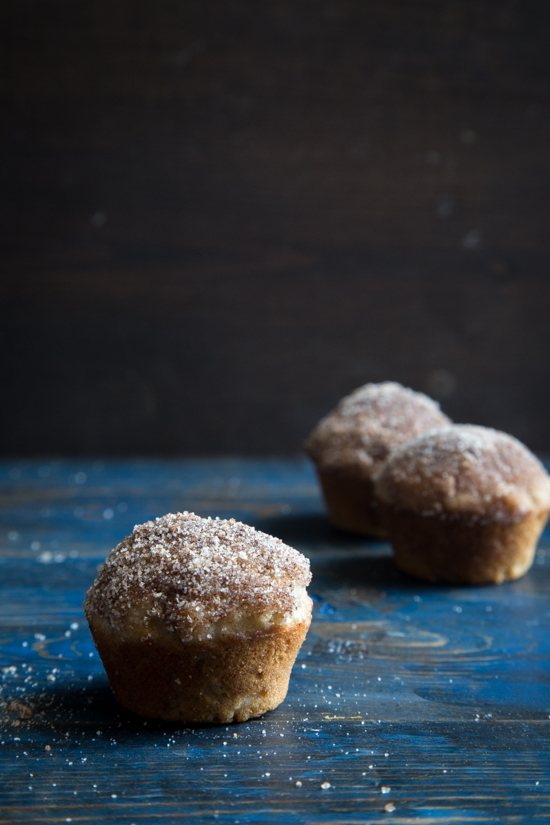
{"points": [[227, 680], [352, 504], [462, 551]]}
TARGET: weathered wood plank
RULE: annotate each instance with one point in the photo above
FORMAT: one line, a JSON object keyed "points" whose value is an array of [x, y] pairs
{"points": [[441, 695]]}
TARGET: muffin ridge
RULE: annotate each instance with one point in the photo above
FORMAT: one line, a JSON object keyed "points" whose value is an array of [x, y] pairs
{"points": [[189, 575], [367, 424], [465, 469]]}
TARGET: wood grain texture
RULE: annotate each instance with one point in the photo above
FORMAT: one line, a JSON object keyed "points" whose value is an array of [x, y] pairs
{"points": [[441, 695], [220, 217]]}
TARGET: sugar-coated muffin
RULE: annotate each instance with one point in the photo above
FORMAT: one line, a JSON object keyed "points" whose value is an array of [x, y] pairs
{"points": [[464, 504], [350, 446], [199, 620]]}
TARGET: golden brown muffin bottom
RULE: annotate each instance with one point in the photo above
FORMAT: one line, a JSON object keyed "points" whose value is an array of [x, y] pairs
{"points": [[460, 551], [229, 680], [351, 503]]}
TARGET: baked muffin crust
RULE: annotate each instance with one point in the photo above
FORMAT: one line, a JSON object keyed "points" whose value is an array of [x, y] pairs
{"points": [[197, 578], [200, 620], [349, 448], [464, 505], [468, 471], [368, 424]]}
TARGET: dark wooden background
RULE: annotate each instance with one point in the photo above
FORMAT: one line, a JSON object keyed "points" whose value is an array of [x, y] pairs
{"points": [[218, 216]]}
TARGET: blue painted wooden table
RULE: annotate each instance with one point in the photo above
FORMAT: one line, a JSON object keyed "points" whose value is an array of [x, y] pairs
{"points": [[409, 703]]}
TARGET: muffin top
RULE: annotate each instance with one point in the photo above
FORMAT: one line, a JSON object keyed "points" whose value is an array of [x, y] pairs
{"points": [[193, 576], [468, 471], [368, 424]]}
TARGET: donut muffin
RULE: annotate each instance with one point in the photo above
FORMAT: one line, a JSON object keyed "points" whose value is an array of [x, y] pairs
{"points": [[350, 446], [199, 620], [464, 504]]}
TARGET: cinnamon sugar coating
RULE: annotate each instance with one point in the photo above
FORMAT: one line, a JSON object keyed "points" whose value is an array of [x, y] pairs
{"points": [[187, 574], [367, 425], [465, 470]]}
